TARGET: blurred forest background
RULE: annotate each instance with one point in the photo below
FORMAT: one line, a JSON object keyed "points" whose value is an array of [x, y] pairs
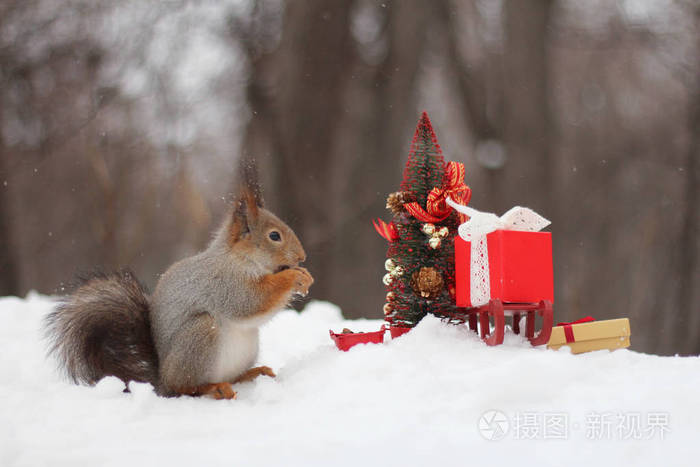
{"points": [[123, 121]]}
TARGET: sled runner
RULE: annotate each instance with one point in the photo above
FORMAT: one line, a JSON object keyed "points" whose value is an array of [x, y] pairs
{"points": [[479, 320]]}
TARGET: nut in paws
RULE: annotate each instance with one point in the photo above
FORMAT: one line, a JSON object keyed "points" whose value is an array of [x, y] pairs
{"points": [[303, 281]]}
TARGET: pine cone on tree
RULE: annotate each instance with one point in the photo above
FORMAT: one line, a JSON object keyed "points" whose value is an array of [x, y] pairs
{"points": [[395, 201], [427, 283]]}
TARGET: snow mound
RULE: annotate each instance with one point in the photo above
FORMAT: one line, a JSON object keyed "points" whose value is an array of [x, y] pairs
{"points": [[436, 396]]}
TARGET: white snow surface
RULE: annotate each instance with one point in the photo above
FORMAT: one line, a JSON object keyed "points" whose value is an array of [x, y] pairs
{"points": [[416, 400]]}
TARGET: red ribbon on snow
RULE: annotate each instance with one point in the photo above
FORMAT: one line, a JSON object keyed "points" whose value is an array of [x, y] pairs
{"points": [[437, 208], [568, 330]]}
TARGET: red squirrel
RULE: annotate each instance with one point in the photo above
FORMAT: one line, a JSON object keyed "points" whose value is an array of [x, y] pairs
{"points": [[197, 334]]}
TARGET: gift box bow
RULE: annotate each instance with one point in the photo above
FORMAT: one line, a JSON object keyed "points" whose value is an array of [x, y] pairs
{"points": [[482, 223], [475, 230], [568, 328]]}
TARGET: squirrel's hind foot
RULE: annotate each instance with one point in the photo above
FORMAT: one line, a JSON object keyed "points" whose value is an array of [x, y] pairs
{"points": [[253, 373], [214, 390]]}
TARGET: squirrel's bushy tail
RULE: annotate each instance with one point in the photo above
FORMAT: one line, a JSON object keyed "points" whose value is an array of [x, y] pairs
{"points": [[103, 329]]}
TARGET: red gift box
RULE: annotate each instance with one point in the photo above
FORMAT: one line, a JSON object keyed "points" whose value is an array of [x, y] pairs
{"points": [[520, 267]]}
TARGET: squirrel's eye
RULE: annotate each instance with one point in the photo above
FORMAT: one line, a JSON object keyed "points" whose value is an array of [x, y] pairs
{"points": [[275, 236]]}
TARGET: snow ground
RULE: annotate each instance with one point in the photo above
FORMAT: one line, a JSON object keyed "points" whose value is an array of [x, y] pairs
{"points": [[417, 400]]}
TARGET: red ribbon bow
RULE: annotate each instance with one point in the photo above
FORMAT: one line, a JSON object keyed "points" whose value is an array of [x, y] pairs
{"points": [[388, 231], [437, 208], [568, 330]]}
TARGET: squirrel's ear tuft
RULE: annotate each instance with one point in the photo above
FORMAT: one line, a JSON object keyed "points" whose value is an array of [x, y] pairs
{"points": [[249, 180], [248, 203], [245, 213]]}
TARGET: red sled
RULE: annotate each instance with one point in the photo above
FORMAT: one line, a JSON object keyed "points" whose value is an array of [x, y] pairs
{"points": [[521, 282], [345, 341]]}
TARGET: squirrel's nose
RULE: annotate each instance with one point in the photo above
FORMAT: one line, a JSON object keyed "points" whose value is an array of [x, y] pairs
{"points": [[302, 258]]}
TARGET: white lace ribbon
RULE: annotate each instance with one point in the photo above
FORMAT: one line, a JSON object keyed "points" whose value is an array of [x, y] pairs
{"points": [[475, 230]]}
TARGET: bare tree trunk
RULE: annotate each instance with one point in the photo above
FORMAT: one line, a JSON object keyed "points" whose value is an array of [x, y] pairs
{"points": [[378, 131], [296, 96], [687, 335], [472, 82], [9, 285], [689, 286], [329, 132], [9, 282], [527, 120]]}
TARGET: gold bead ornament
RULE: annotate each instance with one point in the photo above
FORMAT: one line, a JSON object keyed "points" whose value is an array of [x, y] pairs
{"points": [[388, 308], [428, 229], [435, 235]]}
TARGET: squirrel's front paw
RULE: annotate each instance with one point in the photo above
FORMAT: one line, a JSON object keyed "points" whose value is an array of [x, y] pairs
{"points": [[302, 280]]}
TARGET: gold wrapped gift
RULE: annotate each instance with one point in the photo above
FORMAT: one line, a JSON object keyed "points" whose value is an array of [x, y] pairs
{"points": [[587, 335]]}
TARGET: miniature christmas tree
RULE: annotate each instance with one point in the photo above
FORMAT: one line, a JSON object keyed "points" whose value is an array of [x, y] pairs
{"points": [[420, 258]]}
